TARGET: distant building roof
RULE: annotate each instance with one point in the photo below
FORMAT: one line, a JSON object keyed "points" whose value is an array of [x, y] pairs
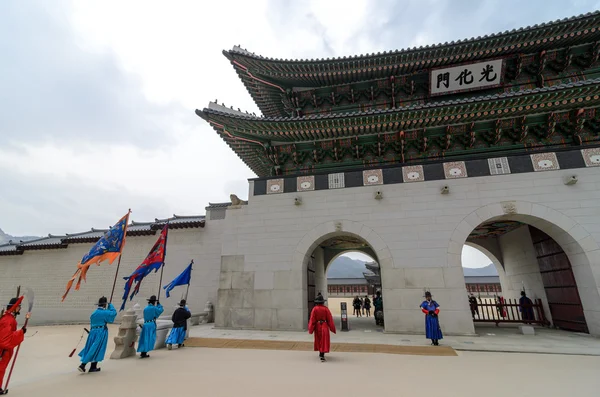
{"points": [[134, 229], [346, 281]]}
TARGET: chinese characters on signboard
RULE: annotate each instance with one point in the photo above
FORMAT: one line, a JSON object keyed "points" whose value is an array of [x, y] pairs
{"points": [[475, 76]]}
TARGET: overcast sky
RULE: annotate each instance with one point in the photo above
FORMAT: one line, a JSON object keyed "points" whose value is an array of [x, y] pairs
{"points": [[98, 97]]}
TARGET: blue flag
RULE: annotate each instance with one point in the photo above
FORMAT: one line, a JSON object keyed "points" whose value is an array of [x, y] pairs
{"points": [[183, 279]]}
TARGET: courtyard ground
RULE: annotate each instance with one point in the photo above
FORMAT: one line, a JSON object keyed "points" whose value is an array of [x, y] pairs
{"points": [[44, 369]]}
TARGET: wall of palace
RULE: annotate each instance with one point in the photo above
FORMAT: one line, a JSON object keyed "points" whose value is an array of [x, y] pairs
{"points": [[417, 234], [47, 273]]}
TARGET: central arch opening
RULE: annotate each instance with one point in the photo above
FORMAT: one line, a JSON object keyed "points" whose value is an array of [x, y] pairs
{"points": [[345, 270]]}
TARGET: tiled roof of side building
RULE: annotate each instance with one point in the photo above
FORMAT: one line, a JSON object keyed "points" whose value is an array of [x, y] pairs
{"points": [[134, 229], [218, 205]]}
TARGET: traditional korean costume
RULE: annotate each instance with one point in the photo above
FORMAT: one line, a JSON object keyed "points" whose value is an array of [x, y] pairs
{"points": [[97, 340], [177, 334], [432, 325], [320, 323], [148, 335], [10, 337]]}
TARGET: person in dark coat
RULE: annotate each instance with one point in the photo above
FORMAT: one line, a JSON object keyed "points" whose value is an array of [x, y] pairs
{"points": [[357, 305], [473, 305], [177, 334], [367, 305], [378, 305], [432, 325], [526, 308]]}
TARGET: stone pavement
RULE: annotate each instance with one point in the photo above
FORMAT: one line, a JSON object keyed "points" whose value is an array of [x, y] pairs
{"points": [[489, 338], [44, 369]]}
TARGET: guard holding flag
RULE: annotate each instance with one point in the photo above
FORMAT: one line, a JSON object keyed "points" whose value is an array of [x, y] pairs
{"points": [[148, 335], [10, 337], [177, 334], [95, 346]]}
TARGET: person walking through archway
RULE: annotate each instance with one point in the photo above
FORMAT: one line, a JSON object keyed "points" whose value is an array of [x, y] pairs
{"points": [[320, 323], [356, 305], [432, 325], [367, 306], [378, 311]]}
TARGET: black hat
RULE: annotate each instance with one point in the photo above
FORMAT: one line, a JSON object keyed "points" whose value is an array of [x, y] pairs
{"points": [[427, 293], [182, 303], [319, 299], [102, 301], [12, 302], [152, 299]]}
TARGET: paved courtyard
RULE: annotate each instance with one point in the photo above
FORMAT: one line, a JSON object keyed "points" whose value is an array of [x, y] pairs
{"points": [[44, 368]]}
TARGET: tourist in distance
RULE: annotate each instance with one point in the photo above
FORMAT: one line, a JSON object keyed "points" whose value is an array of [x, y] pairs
{"points": [[378, 311], [320, 323], [432, 325], [526, 308], [177, 334], [357, 306], [148, 335], [367, 306], [97, 340], [10, 336], [473, 305]]}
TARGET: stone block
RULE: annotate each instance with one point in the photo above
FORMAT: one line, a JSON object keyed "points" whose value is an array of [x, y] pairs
{"points": [[262, 299], [263, 318], [232, 298], [242, 280], [454, 277], [225, 280], [290, 299], [263, 280], [424, 278], [282, 280], [526, 330], [232, 263], [242, 318], [248, 299], [393, 278], [290, 319], [222, 317], [452, 299]]}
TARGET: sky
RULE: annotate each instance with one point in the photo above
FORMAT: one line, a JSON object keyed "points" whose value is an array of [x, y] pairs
{"points": [[98, 97]]}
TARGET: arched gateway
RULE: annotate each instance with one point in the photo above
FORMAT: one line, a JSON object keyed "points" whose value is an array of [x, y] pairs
{"points": [[492, 142]]}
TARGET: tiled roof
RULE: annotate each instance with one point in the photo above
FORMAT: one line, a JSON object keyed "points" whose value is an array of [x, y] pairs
{"points": [[218, 205], [134, 229], [269, 80], [431, 105], [559, 23]]}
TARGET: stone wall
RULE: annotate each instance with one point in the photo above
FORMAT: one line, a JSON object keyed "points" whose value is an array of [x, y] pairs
{"points": [[47, 273], [416, 233]]}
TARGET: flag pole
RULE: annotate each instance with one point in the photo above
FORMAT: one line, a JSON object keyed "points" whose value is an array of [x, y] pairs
{"points": [[188, 286], [162, 268], [119, 262]]}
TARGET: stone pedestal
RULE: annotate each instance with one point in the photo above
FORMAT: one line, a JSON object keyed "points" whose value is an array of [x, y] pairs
{"points": [[127, 336], [527, 330]]}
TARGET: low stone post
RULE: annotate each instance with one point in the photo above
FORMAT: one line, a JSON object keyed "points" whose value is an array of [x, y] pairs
{"points": [[127, 336], [209, 310]]}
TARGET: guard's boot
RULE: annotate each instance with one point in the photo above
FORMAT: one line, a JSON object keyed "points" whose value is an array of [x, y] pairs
{"points": [[81, 368], [169, 347], [3, 392], [144, 355], [94, 368]]}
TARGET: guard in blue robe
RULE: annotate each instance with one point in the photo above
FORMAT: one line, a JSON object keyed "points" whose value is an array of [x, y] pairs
{"points": [[177, 334], [432, 323], [97, 340], [148, 335]]}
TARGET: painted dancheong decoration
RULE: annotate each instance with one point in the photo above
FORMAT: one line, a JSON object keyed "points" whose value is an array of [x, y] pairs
{"points": [[532, 90]]}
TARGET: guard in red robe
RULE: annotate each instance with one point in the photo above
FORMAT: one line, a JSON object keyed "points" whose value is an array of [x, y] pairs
{"points": [[10, 337], [320, 323]]}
